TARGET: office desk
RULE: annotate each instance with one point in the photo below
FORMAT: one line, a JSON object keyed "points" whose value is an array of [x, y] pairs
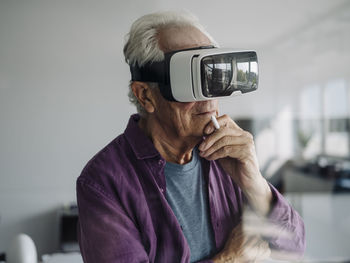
{"points": [[63, 258]]}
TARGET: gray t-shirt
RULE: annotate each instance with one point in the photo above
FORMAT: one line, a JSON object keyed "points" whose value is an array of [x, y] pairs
{"points": [[187, 195]]}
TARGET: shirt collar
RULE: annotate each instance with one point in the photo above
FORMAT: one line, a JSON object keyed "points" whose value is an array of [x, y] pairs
{"points": [[141, 145]]}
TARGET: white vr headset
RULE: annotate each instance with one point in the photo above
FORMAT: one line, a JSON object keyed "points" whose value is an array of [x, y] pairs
{"points": [[201, 73]]}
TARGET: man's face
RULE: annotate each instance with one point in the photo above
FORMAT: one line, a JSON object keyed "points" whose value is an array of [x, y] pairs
{"points": [[184, 118]]}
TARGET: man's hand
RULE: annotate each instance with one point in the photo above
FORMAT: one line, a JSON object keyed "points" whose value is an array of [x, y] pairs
{"points": [[241, 247], [235, 150]]}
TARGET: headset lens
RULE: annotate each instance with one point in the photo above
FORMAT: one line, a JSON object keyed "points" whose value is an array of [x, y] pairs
{"points": [[223, 74]]}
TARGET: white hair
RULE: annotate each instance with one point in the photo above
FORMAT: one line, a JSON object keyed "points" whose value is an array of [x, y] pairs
{"points": [[142, 45]]}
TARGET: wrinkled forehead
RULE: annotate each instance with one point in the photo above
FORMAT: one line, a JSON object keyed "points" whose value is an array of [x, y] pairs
{"points": [[181, 37]]}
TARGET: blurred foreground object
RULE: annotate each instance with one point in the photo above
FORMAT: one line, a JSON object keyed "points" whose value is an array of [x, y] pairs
{"points": [[22, 250], [244, 247], [265, 230], [249, 241]]}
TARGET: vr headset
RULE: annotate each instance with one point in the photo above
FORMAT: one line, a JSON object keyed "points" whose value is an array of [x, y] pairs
{"points": [[202, 73]]}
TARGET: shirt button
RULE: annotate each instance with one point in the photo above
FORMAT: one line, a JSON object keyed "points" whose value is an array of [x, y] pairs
{"points": [[162, 190], [160, 162]]}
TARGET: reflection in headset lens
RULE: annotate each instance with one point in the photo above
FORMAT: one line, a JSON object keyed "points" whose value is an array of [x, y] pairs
{"points": [[223, 74]]}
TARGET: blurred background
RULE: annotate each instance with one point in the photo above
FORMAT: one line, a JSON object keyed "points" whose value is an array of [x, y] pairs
{"points": [[63, 96]]}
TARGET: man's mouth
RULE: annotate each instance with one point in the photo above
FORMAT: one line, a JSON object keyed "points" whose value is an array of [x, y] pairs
{"points": [[204, 113]]}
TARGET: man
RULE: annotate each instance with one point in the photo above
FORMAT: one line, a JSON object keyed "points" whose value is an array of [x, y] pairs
{"points": [[160, 192]]}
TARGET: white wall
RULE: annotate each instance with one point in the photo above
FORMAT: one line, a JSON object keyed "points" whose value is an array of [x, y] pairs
{"points": [[63, 86], [62, 97]]}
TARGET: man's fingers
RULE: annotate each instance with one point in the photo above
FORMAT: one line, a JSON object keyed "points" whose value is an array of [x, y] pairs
{"points": [[211, 139], [223, 131], [242, 247], [224, 121], [238, 152], [225, 140]]}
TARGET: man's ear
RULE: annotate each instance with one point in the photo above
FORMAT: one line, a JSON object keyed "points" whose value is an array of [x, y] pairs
{"points": [[144, 95]]}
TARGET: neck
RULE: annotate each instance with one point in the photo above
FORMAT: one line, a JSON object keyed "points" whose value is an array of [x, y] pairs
{"points": [[172, 147]]}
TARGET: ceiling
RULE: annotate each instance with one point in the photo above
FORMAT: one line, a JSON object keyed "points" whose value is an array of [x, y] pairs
{"points": [[257, 23]]}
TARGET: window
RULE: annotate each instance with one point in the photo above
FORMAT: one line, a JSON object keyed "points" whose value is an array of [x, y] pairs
{"points": [[336, 114]]}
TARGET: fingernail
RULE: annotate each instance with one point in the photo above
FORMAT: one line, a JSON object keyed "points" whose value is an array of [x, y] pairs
{"points": [[201, 147], [209, 129]]}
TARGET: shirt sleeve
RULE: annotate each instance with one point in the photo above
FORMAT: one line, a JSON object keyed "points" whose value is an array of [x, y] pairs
{"points": [[106, 233], [287, 219]]}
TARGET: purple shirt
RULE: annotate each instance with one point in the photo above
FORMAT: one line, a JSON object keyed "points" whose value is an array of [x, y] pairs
{"points": [[125, 217]]}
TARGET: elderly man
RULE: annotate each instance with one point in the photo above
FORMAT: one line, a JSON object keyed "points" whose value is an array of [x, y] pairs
{"points": [[171, 188]]}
